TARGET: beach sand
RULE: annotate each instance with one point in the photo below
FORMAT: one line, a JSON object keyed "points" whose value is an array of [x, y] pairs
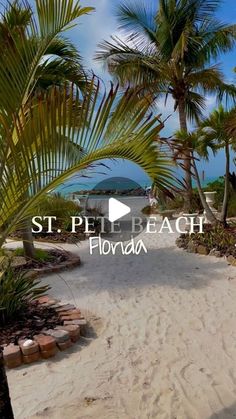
{"points": [[163, 343]]}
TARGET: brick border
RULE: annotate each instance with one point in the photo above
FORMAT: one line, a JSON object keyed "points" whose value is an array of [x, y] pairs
{"points": [[71, 262], [48, 342]]}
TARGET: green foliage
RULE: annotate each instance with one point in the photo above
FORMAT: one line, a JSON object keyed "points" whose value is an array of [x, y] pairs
{"points": [[168, 50], [232, 205], [16, 291], [218, 238], [60, 207], [177, 202], [150, 210], [50, 134], [41, 255], [218, 186]]}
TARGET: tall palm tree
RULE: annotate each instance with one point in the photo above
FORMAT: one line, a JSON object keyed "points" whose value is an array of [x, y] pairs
{"points": [[169, 51], [213, 133]]}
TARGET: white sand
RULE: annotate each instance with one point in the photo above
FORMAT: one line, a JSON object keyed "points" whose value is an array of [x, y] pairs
{"points": [[165, 345]]}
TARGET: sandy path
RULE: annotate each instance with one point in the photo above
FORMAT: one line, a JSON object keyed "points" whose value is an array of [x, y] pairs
{"points": [[165, 345]]}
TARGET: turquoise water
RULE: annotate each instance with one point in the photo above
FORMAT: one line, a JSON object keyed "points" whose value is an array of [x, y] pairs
{"points": [[76, 185], [206, 181]]}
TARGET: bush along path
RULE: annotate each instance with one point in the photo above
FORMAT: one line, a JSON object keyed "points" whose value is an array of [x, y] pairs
{"points": [[215, 241]]}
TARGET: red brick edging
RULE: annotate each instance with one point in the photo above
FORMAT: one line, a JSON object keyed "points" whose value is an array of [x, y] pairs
{"points": [[71, 262], [46, 344]]}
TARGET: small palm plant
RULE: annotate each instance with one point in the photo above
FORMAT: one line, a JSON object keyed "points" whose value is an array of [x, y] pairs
{"points": [[16, 292], [214, 133]]}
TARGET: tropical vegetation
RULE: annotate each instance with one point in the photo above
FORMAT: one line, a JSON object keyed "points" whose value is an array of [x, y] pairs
{"points": [[53, 125], [47, 135], [16, 292], [56, 120], [214, 133], [172, 51]]}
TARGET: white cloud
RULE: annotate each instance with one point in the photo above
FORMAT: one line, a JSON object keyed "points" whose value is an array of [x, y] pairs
{"points": [[93, 29]]}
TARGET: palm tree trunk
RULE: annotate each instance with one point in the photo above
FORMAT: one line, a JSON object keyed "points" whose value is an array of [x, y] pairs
{"points": [[210, 216], [226, 192], [187, 158], [28, 241], [5, 401]]}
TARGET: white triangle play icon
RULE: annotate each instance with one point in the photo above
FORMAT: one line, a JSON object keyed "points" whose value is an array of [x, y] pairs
{"points": [[117, 210]]}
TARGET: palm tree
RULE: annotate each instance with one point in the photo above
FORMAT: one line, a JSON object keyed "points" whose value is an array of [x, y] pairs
{"points": [[199, 148], [60, 62], [48, 136], [213, 133], [169, 51]]}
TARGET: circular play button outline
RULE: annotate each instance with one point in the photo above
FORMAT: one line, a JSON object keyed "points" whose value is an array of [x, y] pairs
{"points": [[120, 200]]}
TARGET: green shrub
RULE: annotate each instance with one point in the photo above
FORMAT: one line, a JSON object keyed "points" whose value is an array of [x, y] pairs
{"points": [[149, 210], [214, 237], [218, 186], [60, 207], [16, 291], [41, 255], [177, 202], [232, 205]]}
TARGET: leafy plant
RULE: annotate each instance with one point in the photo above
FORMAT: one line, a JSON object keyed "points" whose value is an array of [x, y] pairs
{"points": [[219, 187], [41, 255], [150, 209], [214, 237], [16, 292], [60, 207], [213, 133]]}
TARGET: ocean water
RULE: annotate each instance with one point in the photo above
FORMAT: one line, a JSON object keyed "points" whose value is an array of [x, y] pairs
{"points": [[76, 185], [206, 181]]}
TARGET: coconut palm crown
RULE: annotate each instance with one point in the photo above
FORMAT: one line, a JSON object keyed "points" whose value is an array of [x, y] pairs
{"points": [[172, 51]]}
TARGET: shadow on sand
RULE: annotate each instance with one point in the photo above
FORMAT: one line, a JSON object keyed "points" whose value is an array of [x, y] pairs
{"points": [[159, 267], [226, 413]]}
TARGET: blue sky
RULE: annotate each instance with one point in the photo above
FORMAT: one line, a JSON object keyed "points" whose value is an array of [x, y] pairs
{"points": [[100, 25]]}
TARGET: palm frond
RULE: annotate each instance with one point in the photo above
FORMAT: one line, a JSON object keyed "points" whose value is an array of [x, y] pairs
{"points": [[63, 133], [138, 20], [23, 54], [178, 58]]}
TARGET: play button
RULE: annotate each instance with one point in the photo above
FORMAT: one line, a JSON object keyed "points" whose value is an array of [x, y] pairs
{"points": [[118, 201], [117, 210]]}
